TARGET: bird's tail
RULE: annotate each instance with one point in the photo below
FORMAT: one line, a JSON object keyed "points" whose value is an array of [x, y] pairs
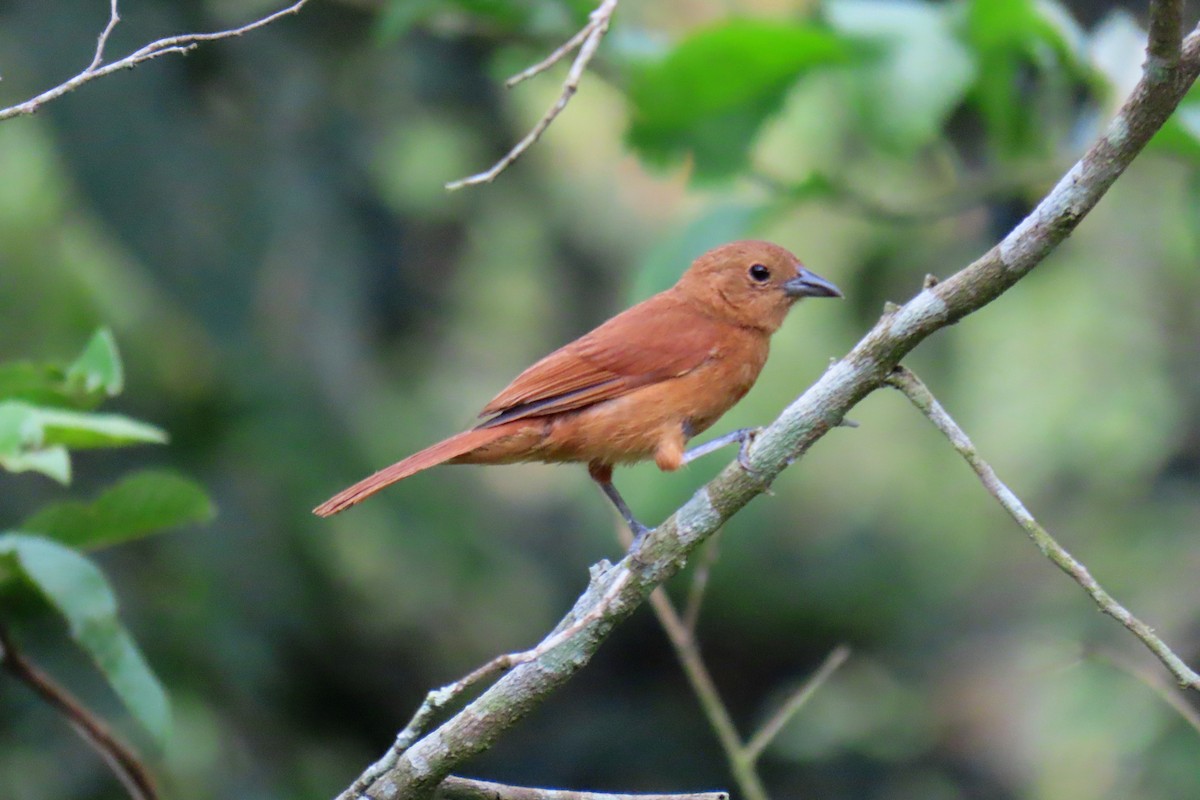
{"points": [[445, 450]]}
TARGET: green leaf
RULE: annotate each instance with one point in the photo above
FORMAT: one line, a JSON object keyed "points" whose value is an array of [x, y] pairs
{"points": [[19, 428], [140, 504], [709, 96], [37, 438], [1008, 36], [34, 383], [919, 74], [53, 462], [25, 426], [78, 591], [22, 444], [81, 429], [98, 369]]}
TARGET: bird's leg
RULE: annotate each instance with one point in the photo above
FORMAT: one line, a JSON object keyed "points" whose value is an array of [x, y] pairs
{"points": [[743, 436], [602, 474]]}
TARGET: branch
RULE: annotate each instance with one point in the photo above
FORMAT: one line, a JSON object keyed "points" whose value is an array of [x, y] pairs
{"points": [[1166, 29], [864, 369], [681, 632], [437, 700], [1170, 694], [125, 764], [587, 40], [923, 399], [172, 44], [771, 728], [455, 788]]}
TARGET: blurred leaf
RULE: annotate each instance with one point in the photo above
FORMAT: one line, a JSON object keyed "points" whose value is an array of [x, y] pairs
{"points": [[35, 383], [78, 591], [1009, 37], [139, 505], [53, 462], [19, 428], [37, 438], [22, 444], [920, 72], [96, 374], [711, 94], [98, 369], [666, 262], [83, 429]]}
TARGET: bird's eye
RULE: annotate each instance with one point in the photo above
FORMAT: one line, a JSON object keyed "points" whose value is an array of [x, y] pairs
{"points": [[759, 273]]}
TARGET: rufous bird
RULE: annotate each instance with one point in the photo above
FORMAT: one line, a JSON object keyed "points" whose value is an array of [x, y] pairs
{"points": [[640, 385]]}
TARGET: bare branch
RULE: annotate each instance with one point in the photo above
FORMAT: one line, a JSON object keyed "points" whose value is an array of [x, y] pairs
{"points": [[771, 728], [588, 40], [695, 596], [114, 16], [455, 788], [1170, 694], [923, 399], [172, 44], [125, 764], [740, 756], [1166, 30]]}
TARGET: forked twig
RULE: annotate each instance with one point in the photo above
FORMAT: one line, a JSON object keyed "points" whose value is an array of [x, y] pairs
{"points": [[439, 699], [916, 391], [171, 44], [742, 756], [587, 40]]}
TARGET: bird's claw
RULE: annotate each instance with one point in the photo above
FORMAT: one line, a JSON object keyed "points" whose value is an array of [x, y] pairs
{"points": [[743, 456], [639, 534]]}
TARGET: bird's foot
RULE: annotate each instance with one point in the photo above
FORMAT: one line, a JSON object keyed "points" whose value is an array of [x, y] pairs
{"points": [[746, 438], [639, 535]]}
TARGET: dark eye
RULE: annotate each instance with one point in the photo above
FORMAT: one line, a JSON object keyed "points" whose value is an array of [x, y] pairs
{"points": [[759, 273]]}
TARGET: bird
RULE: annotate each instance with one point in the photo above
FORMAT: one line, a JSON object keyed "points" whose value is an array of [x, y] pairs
{"points": [[640, 385]]}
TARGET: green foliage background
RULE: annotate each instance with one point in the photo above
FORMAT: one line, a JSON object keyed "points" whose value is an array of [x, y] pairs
{"points": [[299, 302]]}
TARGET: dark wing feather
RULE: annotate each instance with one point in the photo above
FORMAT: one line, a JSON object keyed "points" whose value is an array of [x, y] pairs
{"points": [[653, 341]]}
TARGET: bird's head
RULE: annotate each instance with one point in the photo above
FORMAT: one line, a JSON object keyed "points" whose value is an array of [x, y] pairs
{"points": [[751, 283]]}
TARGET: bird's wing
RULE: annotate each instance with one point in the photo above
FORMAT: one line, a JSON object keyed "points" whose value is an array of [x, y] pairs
{"points": [[651, 342]]}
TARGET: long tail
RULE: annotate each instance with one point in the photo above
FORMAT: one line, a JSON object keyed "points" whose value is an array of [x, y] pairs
{"points": [[440, 453]]}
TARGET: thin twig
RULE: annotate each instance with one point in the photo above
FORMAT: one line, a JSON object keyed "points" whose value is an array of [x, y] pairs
{"points": [[742, 757], [172, 44], [125, 764], [695, 596], [114, 16], [1169, 693], [771, 728], [552, 59], [908, 383], [456, 788], [588, 40]]}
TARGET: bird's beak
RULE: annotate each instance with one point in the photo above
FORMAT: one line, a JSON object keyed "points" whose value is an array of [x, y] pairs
{"points": [[810, 284]]}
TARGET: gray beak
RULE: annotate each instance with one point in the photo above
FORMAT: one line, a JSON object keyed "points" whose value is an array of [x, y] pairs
{"points": [[810, 284]]}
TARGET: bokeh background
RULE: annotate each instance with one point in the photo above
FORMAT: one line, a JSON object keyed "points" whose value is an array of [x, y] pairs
{"points": [[299, 302]]}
